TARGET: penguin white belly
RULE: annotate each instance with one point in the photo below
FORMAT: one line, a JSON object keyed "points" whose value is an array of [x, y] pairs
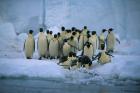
{"points": [[81, 43], [93, 42], [110, 42], [42, 46], [66, 50], [53, 48], [29, 47], [88, 52]]}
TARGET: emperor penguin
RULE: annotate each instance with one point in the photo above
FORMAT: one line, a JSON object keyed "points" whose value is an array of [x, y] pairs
{"points": [[102, 39], [84, 31], [104, 57], [29, 45], [73, 43], [88, 50], [110, 40], [66, 48], [60, 40], [63, 32], [75, 39], [54, 47], [42, 44], [93, 41], [50, 36]]}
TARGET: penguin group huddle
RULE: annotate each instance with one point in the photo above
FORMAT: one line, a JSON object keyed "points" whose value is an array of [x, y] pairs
{"points": [[66, 44]]}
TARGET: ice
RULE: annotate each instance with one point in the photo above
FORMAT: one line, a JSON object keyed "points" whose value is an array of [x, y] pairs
{"points": [[29, 68], [7, 35], [96, 14]]}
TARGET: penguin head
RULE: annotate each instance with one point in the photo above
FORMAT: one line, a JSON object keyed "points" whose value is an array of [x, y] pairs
{"points": [[110, 29], [41, 29], [103, 30], [51, 32], [68, 31], [73, 28], [55, 36], [88, 45], [65, 40], [31, 31], [88, 32], [71, 38], [80, 31], [88, 36], [73, 33], [93, 32], [48, 31], [58, 33], [85, 27], [63, 28]]}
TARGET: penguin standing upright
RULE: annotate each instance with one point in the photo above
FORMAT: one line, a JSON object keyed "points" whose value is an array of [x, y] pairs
{"points": [[63, 33], [66, 48], [73, 43], [42, 44], [110, 40], [60, 40], [102, 39], [29, 45], [88, 50], [93, 41], [54, 47]]}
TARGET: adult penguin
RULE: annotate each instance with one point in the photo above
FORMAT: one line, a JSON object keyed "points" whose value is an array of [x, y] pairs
{"points": [[102, 39], [103, 56], [66, 48], [63, 32], [54, 47], [93, 40], [73, 43], [60, 40], [111, 40], [29, 45], [88, 50], [42, 44]]}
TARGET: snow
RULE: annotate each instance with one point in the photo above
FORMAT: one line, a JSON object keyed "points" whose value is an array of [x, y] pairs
{"points": [[29, 68]]}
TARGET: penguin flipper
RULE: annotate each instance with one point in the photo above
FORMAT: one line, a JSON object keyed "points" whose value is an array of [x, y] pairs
{"points": [[24, 45], [34, 45], [37, 43]]}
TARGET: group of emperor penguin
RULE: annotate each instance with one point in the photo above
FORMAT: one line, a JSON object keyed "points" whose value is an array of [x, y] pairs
{"points": [[66, 44]]}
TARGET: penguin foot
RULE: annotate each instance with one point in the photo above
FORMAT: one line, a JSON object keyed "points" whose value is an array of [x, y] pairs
{"points": [[28, 58], [58, 57], [51, 58], [39, 58], [44, 56]]}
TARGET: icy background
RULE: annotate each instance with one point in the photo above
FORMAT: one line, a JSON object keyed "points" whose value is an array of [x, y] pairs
{"points": [[122, 15], [18, 16]]}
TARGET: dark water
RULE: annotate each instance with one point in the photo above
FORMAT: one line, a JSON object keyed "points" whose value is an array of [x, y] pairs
{"points": [[56, 86]]}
